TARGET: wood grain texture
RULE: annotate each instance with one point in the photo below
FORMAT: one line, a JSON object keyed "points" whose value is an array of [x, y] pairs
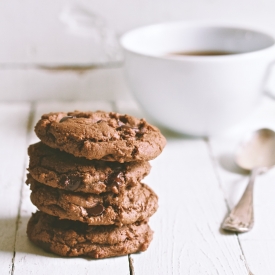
{"points": [[187, 239], [13, 136], [195, 181], [30, 259], [258, 244]]}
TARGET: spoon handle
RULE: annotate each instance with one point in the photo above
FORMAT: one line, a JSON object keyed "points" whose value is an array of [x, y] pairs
{"points": [[241, 217]]}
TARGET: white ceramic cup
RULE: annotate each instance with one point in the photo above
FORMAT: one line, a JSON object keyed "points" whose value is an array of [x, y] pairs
{"points": [[197, 95]]}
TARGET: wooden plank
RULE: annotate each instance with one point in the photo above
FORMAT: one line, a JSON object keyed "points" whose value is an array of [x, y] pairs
{"points": [[187, 239], [13, 137], [40, 84], [259, 244], [30, 259]]}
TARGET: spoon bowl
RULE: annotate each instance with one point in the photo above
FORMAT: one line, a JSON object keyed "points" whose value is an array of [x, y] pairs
{"points": [[257, 150]]}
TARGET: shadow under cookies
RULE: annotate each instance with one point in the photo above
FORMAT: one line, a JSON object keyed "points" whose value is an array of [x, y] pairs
{"points": [[14, 237]]}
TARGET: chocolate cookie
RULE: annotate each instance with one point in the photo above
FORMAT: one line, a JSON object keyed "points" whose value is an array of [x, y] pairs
{"points": [[62, 170], [101, 135], [72, 238], [130, 205]]}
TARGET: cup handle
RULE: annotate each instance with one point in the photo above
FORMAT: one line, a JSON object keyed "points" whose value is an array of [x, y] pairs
{"points": [[268, 73]]}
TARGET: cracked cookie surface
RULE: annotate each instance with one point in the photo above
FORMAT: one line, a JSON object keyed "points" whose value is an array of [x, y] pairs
{"points": [[64, 171], [132, 204], [72, 238], [101, 135]]}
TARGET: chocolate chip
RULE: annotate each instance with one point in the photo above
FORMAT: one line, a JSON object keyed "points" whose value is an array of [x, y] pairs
{"points": [[66, 118], [123, 119], [134, 152], [115, 180], [135, 129], [141, 130], [120, 123], [126, 131], [124, 127], [70, 183], [96, 210], [115, 177]]}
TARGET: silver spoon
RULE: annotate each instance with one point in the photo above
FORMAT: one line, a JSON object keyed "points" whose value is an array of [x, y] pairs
{"points": [[255, 153]]}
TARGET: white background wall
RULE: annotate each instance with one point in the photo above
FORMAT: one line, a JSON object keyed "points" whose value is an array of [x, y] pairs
{"points": [[39, 35]]}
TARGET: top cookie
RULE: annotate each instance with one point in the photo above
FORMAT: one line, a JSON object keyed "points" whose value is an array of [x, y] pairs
{"points": [[101, 135]]}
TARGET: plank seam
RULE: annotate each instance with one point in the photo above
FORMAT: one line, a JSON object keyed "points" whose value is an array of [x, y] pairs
{"points": [[214, 164], [29, 125], [131, 265], [245, 261]]}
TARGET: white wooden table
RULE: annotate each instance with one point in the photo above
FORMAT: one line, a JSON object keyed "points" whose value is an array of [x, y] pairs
{"points": [[195, 179]]}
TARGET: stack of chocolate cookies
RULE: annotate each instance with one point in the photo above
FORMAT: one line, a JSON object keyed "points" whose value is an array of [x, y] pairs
{"points": [[85, 176]]}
